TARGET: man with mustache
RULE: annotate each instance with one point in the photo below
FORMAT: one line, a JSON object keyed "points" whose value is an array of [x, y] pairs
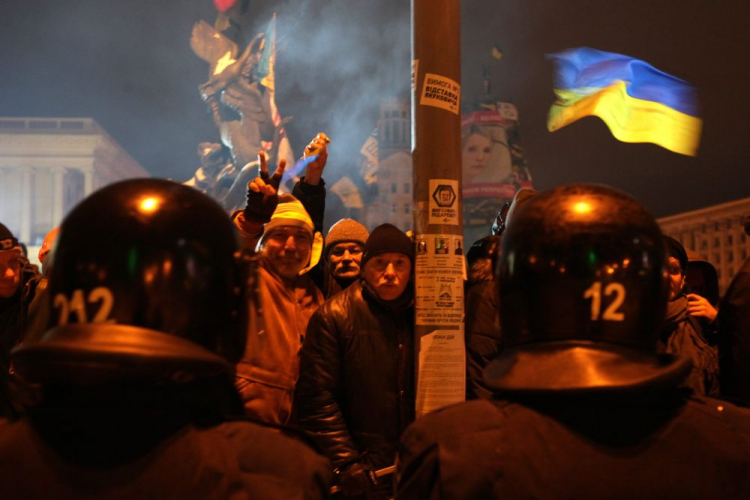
{"points": [[343, 255]]}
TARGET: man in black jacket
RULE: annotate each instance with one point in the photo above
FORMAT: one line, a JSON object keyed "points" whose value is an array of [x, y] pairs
{"points": [[355, 393], [584, 406]]}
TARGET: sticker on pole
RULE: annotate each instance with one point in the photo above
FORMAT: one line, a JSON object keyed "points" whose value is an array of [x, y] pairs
{"points": [[443, 202], [439, 280], [440, 92]]}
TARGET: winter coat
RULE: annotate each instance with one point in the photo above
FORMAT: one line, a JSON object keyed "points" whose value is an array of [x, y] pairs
{"points": [[268, 371], [355, 393], [734, 337], [657, 447]]}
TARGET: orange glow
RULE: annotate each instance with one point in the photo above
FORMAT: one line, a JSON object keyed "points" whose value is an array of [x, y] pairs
{"points": [[720, 408], [582, 207], [149, 204]]}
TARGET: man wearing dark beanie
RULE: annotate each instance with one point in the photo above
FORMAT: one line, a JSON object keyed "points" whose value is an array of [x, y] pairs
{"points": [[355, 394]]}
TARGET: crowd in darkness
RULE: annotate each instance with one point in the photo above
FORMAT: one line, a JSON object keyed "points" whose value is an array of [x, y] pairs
{"points": [[168, 350]]}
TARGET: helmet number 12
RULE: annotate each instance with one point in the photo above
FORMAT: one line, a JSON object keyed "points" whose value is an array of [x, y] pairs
{"points": [[611, 313], [77, 306]]}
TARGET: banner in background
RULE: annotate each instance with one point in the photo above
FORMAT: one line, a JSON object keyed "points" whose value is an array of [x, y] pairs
{"points": [[493, 166]]}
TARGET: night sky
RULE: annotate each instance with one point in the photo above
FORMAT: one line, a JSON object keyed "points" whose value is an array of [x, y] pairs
{"points": [[128, 64]]}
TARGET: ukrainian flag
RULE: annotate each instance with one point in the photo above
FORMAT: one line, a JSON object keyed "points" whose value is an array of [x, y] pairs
{"points": [[638, 102]]}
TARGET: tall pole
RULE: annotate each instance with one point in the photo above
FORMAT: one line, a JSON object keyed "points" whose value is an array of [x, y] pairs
{"points": [[436, 158]]}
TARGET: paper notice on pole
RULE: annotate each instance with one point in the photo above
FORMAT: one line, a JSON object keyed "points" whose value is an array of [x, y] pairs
{"points": [[439, 280], [440, 92], [442, 370], [443, 203]]}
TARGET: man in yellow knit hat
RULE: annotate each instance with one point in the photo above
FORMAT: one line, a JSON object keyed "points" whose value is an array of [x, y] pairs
{"points": [[284, 234]]}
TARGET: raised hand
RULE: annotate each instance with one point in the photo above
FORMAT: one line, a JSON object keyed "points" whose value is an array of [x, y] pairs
{"points": [[318, 152], [700, 306], [262, 192]]}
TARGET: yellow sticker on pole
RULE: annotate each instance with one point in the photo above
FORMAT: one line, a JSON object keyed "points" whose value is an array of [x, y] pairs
{"points": [[441, 92]]}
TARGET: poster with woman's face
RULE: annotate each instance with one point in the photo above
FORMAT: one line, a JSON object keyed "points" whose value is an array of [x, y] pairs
{"points": [[492, 166], [485, 156]]}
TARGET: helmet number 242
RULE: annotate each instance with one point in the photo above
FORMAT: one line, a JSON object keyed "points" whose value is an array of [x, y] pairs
{"points": [[611, 313]]}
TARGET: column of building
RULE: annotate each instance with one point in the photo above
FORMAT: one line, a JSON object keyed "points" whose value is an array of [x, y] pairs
{"points": [[27, 193]]}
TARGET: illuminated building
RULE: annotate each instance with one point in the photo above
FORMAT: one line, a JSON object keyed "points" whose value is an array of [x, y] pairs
{"points": [[716, 233], [393, 197], [48, 165]]}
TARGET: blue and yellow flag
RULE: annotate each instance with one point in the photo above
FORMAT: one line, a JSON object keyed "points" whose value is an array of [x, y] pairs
{"points": [[638, 102]]}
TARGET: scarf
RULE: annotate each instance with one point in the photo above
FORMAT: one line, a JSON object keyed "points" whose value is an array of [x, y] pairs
{"points": [[682, 335]]}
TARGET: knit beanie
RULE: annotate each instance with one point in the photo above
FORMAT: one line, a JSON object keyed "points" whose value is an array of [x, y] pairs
{"points": [[291, 212], [387, 238], [7, 240], [345, 231]]}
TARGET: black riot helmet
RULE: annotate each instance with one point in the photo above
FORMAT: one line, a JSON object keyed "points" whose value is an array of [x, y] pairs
{"points": [[583, 291], [149, 284]]}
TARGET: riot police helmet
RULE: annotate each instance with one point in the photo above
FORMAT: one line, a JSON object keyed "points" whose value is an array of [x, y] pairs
{"points": [[583, 291], [149, 284]]}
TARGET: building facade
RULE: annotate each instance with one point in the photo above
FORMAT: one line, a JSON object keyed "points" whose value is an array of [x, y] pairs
{"points": [[392, 196], [48, 165], [716, 233]]}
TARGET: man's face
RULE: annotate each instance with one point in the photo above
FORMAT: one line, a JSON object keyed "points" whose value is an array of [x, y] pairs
{"points": [[388, 274], [10, 272], [676, 278], [287, 249], [344, 259]]}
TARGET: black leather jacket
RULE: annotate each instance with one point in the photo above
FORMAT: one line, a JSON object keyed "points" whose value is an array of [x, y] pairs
{"points": [[355, 392]]}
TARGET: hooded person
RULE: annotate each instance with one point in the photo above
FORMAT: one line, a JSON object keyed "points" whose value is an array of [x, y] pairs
{"points": [[151, 299], [344, 247], [583, 406], [682, 332], [356, 389]]}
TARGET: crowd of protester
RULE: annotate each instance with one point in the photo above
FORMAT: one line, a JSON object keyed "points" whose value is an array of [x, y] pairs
{"points": [[168, 350]]}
